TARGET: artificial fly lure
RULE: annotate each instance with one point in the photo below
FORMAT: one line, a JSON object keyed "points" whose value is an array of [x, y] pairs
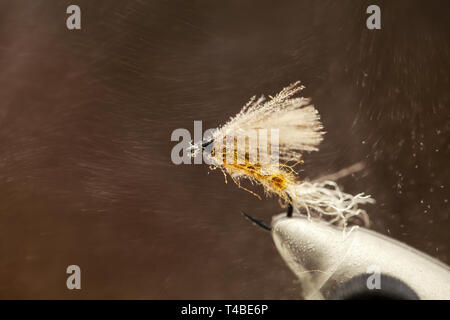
{"points": [[264, 143]]}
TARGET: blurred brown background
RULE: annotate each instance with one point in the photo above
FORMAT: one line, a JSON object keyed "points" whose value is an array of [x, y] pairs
{"points": [[86, 117]]}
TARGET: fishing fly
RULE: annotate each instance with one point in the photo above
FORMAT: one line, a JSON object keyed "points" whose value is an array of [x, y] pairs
{"points": [[264, 144]]}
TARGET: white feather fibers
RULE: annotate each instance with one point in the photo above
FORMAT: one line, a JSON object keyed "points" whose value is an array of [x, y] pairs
{"points": [[325, 200], [297, 121]]}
